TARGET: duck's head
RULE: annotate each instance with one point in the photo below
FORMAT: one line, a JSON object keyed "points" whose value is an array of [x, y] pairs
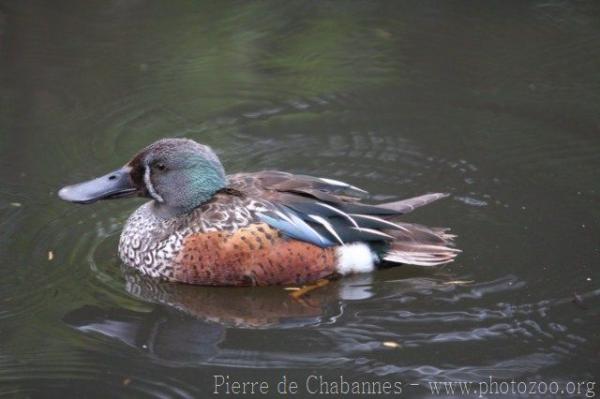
{"points": [[178, 174]]}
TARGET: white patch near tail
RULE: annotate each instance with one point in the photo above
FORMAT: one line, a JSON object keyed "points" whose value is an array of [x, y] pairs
{"points": [[355, 258]]}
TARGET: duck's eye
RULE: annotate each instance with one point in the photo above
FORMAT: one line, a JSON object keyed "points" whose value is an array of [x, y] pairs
{"points": [[161, 166]]}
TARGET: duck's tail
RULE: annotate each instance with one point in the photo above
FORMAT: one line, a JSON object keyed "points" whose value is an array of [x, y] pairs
{"points": [[406, 243], [412, 244], [421, 245], [416, 244]]}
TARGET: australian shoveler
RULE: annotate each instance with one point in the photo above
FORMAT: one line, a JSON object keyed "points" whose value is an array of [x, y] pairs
{"points": [[202, 226]]}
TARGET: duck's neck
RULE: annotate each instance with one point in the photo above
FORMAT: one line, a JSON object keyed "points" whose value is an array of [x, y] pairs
{"points": [[165, 212], [192, 190]]}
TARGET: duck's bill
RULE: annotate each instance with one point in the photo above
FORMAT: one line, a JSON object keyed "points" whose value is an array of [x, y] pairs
{"points": [[116, 184]]}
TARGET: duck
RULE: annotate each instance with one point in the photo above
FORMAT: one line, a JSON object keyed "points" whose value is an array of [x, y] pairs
{"points": [[202, 226]]}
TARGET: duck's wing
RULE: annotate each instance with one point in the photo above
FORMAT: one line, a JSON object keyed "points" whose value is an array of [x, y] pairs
{"points": [[329, 213], [270, 181]]}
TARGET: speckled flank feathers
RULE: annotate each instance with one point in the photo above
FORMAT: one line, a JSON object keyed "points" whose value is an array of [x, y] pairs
{"points": [[151, 243], [253, 255]]}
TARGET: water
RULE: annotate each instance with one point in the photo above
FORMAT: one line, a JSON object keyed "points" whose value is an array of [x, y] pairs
{"points": [[496, 104]]}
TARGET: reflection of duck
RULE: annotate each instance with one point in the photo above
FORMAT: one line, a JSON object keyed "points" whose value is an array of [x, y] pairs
{"points": [[262, 228], [165, 334], [251, 307]]}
